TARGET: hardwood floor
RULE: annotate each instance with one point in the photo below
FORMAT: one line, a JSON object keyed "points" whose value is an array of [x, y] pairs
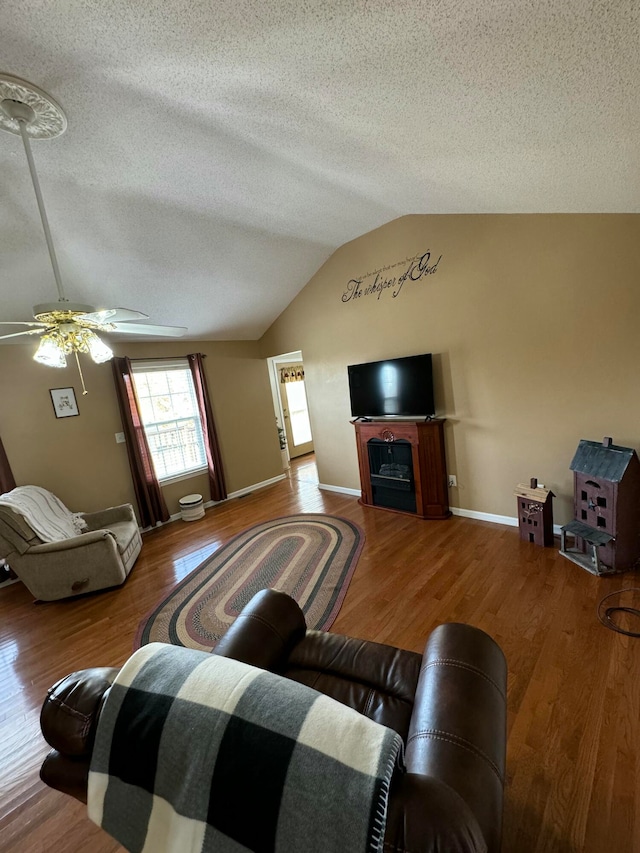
{"points": [[574, 692]]}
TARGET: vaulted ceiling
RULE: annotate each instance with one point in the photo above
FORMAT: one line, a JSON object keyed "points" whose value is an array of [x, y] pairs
{"points": [[218, 152]]}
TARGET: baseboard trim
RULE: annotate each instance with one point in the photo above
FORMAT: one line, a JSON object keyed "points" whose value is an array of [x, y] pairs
{"points": [[241, 492], [494, 519], [237, 494], [485, 516], [464, 513], [340, 489]]}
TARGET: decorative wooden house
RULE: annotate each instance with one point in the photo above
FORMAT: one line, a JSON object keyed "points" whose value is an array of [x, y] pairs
{"points": [[535, 513], [606, 524]]}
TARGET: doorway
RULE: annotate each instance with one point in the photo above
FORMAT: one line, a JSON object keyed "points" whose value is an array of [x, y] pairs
{"points": [[286, 373]]}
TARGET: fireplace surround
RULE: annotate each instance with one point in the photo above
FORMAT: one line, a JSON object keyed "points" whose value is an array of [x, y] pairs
{"points": [[403, 466]]}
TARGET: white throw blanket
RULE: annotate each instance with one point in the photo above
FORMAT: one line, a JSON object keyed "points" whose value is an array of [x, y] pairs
{"points": [[49, 518]]}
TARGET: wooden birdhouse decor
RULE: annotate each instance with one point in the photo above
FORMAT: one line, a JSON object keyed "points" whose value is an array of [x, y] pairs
{"points": [[535, 513], [605, 531]]}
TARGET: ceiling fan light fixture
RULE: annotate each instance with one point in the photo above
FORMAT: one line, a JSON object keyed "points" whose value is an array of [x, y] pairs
{"points": [[50, 353], [29, 112], [98, 350]]}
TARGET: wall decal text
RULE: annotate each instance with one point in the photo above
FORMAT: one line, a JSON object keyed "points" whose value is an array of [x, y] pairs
{"points": [[416, 268]]}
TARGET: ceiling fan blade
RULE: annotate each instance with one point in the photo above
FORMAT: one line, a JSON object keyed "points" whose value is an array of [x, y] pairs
{"points": [[22, 323], [26, 332], [113, 315], [149, 329]]}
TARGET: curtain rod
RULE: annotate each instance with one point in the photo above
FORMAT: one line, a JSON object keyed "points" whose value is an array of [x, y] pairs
{"points": [[166, 358]]}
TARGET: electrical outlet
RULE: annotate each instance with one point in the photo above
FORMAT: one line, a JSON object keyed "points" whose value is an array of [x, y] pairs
{"points": [[120, 439], [453, 481]]}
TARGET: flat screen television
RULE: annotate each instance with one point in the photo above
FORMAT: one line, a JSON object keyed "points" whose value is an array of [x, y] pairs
{"points": [[397, 387]]}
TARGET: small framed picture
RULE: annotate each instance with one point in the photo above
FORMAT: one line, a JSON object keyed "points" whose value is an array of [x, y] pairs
{"points": [[64, 402]]}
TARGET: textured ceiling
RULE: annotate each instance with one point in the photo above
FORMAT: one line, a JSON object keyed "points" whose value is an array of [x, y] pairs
{"points": [[218, 152]]}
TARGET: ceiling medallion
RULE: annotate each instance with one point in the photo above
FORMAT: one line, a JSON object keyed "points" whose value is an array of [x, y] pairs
{"points": [[48, 120]]}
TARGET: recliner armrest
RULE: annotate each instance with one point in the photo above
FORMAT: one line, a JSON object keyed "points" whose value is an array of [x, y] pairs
{"points": [[70, 711], [265, 631], [81, 541], [66, 774], [457, 733], [424, 814], [104, 517], [68, 719]]}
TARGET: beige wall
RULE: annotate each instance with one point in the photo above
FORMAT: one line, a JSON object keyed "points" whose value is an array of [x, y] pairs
{"points": [[78, 458], [533, 320]]}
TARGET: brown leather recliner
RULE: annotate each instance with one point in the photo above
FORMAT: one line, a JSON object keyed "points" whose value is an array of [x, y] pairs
{"points": [[449, 707]]}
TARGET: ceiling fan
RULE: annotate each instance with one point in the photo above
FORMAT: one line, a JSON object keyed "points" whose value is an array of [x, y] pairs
{"points": [[66, 328]]}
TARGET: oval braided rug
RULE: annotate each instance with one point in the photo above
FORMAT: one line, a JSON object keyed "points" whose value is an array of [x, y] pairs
{"points": [[310, 557]]}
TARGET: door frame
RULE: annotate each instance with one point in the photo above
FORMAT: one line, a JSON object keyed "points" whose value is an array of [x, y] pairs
{"points": [[274, 379]]}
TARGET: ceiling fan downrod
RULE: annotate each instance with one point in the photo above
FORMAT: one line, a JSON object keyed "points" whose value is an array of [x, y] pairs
{"points": [[44, 120], [23, 114], [65, 327]]}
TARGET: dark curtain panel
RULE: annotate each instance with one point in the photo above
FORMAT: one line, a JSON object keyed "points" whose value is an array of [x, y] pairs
{"points": [[214, 460], [145, 483], [6, 476]]}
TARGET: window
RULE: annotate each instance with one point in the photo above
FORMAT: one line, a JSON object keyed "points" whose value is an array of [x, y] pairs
{"points": [[169, 412], [299, 416]]}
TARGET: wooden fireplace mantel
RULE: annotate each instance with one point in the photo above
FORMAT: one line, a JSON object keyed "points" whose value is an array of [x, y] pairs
{"points": [[429, 464]]}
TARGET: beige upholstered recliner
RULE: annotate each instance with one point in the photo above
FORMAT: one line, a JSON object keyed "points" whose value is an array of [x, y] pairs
{"points": [[99, 558]]}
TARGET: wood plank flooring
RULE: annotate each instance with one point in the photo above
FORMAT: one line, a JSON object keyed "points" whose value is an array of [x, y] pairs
{"points": [[573, 768]]}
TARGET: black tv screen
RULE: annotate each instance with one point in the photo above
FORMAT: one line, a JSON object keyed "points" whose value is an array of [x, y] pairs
{"points": [[395, 387]]}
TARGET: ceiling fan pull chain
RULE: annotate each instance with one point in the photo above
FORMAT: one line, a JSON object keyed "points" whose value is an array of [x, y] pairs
{"points": [[43, 212], [84, 390]]}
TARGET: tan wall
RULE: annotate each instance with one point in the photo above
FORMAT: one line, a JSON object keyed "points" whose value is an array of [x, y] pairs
{"points": [[533, 320], [78, 458]]}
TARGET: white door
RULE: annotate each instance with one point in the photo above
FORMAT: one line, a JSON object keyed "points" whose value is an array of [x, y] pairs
{"points": [[296, 415]]}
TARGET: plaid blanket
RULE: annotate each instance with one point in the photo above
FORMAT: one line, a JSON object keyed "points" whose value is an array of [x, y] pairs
{"points": [[196, 752]]}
